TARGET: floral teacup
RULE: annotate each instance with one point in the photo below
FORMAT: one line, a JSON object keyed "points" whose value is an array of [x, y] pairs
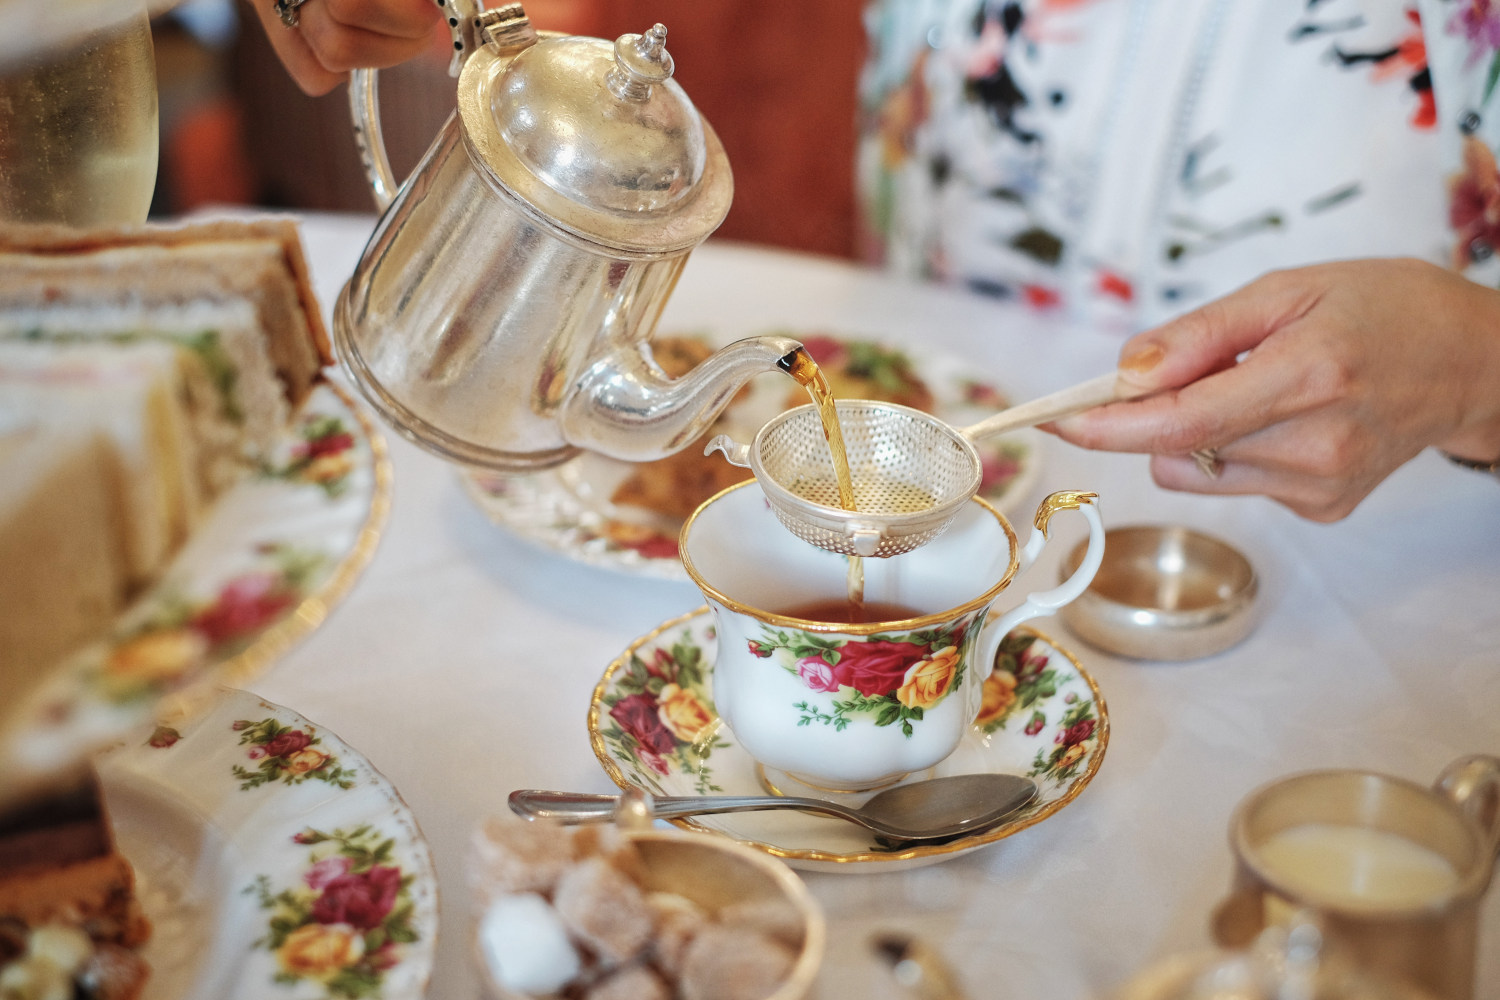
{"points": [[853, 706]]}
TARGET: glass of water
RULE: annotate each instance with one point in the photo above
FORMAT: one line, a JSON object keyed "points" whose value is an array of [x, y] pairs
{"points": [[78, 112]]}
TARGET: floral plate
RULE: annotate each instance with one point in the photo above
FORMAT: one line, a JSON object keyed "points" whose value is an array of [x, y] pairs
{"points": [[653, 725], [279, 549], [569, 509], [271, 859]]}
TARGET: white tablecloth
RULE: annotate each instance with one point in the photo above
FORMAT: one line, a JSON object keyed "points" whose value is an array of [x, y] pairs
{"points": [[462, 664]]}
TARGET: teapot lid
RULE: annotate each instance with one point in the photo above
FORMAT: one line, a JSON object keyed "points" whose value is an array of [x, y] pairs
{"points": [[597, 139]]}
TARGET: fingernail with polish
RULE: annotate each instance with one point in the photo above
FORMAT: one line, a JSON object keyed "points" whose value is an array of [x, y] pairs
{"points": [[1142, 358]]}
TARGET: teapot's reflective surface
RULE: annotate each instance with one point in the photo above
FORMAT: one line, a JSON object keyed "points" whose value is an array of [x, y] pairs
{"points": [[501, 312]]}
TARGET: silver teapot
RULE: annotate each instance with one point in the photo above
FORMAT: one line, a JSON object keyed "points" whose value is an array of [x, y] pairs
{"points": [[501, 311]]}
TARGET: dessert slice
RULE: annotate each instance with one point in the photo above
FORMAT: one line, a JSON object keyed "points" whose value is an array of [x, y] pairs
{"points": [[69, 918]]}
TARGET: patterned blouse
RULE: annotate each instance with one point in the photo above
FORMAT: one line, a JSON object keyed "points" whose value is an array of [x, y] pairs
{"points": [[1125, 160]]}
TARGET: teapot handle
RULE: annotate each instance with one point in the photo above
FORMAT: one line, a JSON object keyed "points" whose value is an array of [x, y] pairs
{"points": [[465, 19]]}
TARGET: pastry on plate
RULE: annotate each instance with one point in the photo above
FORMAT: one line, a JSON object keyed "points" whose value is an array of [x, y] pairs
{"points": [[70, 923], [674, 486]]}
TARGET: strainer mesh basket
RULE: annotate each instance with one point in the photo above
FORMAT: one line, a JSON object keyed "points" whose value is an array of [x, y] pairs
{"points": [[911, 473]]}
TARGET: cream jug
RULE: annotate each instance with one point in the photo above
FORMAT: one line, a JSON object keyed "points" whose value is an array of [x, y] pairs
{"points": [[501, 312], [1394, 872]]}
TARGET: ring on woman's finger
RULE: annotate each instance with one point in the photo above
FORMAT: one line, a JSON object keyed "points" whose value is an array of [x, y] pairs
{"points": [[1209, 462], [287, 11]]}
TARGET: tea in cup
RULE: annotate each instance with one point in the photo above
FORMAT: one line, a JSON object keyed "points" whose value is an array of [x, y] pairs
{"points": [[843, 698], [1394, 871]]}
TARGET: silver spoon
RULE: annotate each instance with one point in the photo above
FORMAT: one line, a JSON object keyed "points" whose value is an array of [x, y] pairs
{"points": [[923, 810]]}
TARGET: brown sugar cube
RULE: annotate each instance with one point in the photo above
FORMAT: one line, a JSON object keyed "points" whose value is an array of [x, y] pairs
{"points": [[608, 842], [633, 982], [517, 855], [604, 909], [678, 920], [729, 963], [775, 918]]}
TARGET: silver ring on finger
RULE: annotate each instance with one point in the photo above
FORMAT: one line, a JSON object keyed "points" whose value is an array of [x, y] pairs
{"points": [[1208, 461], [287, 11]]}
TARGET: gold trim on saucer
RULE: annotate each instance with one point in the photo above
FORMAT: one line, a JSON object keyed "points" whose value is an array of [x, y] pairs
{"points": [[919, 852]]}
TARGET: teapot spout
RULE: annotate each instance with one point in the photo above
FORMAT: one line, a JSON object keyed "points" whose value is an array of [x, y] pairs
{"points": [[625, 407]]}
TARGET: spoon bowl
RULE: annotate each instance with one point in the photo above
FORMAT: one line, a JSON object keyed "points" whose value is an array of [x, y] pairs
{"points": [[933, 809]]}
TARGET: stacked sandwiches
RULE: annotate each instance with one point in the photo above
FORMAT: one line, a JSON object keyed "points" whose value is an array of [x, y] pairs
{"points": [[142, 374]]}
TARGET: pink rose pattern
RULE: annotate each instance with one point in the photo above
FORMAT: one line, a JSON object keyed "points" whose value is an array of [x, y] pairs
{"points": [[861, 677], [286, 755], [354, 893]]}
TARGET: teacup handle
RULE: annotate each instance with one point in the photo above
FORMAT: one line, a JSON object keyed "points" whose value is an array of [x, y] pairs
{"points": [[1474, 784], [1047, 602]]}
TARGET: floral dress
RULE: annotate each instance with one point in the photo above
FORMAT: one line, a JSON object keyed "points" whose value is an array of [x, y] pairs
{"points": [[1125, 160]]}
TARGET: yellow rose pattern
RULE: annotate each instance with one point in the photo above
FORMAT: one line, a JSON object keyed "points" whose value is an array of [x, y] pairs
{"points": [[347, 920], [659, 715], [929, 679], [287, 755], [181, 636], [1023, 684], [683, 713]]}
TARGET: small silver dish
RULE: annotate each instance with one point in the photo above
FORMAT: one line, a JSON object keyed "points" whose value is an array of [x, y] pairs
{"points": [[1163, 592]]}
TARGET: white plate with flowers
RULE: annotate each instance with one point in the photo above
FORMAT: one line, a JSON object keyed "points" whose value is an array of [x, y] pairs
{"points": [[653, 726], [278, 550], [626, 517], [272, 860]]}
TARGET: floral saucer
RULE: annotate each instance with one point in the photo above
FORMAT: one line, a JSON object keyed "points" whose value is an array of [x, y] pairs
{"points": [[279, 549], [271, 859], [571, 509], [653, 725]]}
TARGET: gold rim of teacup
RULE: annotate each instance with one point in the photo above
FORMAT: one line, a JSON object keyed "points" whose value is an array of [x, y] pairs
{"points": [[846, 628]]}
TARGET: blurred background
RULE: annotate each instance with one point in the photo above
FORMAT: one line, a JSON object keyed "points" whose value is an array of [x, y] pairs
{"points": [[776, 79]]}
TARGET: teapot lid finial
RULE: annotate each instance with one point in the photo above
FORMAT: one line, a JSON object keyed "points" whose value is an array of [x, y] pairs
{"points": [[640, 61]]}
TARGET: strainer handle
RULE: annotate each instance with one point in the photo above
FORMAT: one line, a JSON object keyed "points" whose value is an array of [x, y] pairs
{"points": [[1106, 388], [734, 452], [1047, 602]]}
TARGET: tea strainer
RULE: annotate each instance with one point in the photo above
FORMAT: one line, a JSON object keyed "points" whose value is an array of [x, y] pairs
{"points": [[912, 472]]}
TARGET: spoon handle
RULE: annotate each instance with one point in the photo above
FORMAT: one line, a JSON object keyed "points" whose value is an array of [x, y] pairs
{"points": [[1063, 403], [579, 807]]}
